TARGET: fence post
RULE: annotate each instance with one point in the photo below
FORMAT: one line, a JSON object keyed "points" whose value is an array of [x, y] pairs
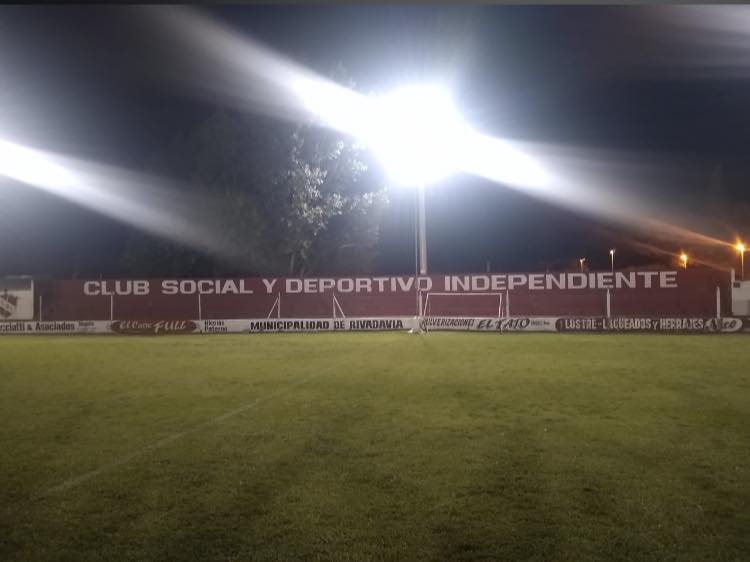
{"points": [[718, 303], [609, 305]]}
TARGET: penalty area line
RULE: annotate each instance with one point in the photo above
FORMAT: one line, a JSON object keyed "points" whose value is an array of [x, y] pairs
{"points": [[80, 479]]}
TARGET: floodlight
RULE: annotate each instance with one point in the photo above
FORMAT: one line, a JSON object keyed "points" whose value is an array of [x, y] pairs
{"points": [[740, 247], [417, 133]]}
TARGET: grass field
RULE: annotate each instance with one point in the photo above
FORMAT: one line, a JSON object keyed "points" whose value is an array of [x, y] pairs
{"points": [[375, 446]]}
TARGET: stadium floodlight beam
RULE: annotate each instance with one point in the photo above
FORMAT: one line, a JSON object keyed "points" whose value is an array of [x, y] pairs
{"points": [[33, 167], [136, 199]]}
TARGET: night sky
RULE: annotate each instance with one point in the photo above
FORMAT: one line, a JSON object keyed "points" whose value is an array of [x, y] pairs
{"points": [[631, 80]]}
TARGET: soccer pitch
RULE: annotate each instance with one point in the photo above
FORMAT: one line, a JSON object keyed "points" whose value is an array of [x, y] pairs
{"points": [[381, 446]]}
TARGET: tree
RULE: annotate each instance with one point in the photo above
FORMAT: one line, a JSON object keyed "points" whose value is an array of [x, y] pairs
{"points": [[286, 198]]}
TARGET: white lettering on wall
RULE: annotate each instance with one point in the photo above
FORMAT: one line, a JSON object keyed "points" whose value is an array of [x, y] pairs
{"points": [[601, 280], [169, 287], [91, 288], [604, 280], [577, 281], [536, 281], [668, 279], [294, 285], [269, 283]]}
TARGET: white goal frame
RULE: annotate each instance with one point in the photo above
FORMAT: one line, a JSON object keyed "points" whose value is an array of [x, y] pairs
{"points": [[498, 295]]}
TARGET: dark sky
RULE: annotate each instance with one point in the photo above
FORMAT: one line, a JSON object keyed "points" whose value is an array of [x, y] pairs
{"points": [[619, 79]]}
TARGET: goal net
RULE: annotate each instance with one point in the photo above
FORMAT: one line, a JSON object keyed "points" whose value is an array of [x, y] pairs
{"points": [[463, 305]]}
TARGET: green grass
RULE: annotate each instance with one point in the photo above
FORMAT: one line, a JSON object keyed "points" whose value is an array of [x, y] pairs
{"points": [[375, 447]]}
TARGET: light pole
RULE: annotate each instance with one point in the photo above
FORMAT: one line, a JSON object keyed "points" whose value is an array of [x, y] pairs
{"points": [[416, 134], [580, 263], [422, 230], [740, 247], [684, 260], [420, 247], [612, 259]]}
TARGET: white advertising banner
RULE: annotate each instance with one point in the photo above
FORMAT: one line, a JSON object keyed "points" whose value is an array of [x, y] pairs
{"points": [[508, 324], [401, 323], [16, 298], [654, 324], [56, 327], [308, 325]]}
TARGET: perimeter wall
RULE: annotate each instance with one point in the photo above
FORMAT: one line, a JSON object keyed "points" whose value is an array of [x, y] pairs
{"points": [[665, 293]]}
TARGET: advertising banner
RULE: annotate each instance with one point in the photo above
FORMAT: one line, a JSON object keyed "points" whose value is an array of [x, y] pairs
{"points": [[512, 324], [154, 328], [654, 325], [55, 327], [330, 324], [229, 326], [16, 298], [698, 325]]}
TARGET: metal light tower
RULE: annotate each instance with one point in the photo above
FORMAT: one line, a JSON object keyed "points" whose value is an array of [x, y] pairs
{"points": [[420, 246], [415, 137], [420, 137]]}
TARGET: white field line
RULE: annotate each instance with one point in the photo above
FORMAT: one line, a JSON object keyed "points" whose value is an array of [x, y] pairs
{"points": [[80, 479]]}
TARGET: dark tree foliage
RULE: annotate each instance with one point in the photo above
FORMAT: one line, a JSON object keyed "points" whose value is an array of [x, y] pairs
{"points": [[285, 198]]}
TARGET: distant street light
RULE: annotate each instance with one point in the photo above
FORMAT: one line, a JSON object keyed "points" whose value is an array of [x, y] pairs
{"points": [[684, 260], [740, 247], [612, 259], [580, 263]]}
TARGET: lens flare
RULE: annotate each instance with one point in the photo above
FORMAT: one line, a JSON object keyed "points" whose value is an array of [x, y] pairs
{"points": [[136, 199], [415, 131], [33, 167]]}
